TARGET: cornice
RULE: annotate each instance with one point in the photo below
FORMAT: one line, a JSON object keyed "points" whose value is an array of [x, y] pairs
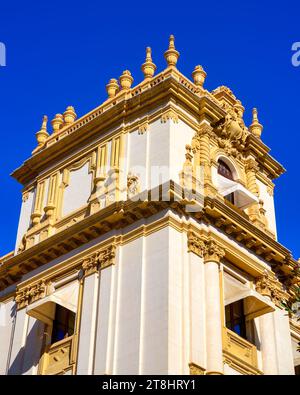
{"points": [[171, 85], [239, 365], [121, 214], [261, 152], [115, 113]]}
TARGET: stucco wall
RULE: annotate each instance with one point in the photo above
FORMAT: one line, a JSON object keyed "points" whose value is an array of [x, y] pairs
{"points": [[24, 220], [78, 191], [7, 315], [268, 205]]}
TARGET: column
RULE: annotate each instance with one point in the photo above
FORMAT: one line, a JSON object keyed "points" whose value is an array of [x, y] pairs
{"points": [[201, 151], [268, 344], [251, 170], [18, 345], [89, 307], [37, 212], [52, 196], [214, 351], [264, 285], [91, 266], [99, 179]]}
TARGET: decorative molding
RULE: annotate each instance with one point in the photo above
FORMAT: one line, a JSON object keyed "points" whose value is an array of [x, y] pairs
{"points": [[76, 166], [196, 370], [251, 165], [206, 248], [31, 294], [143, 127], [240, 366], [25, 196], [169, 115], [119, 215], [213, 252], [268, 285], [239, 354], [57, 357], [230, 132], [133, 185], [99, 260], [270, 189], [195, 244]]}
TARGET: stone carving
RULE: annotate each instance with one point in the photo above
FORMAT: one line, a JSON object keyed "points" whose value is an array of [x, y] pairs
{"points": [[25, 196], [271, 287], [195, 244], [98, 260], [206, 248], [196, 370], [143, 127], [231, 131], [171, 114], [30, 294], [133, 185], [213, 252]]}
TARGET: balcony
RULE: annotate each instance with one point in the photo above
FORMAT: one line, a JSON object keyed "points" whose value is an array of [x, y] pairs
{"points": [[58, 358], [240, 354]]}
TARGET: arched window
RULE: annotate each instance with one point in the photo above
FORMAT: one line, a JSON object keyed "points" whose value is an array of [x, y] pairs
{"points": [[224, 170]]}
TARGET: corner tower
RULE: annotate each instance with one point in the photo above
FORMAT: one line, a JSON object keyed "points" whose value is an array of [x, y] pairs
{"points": [[147, 239]]}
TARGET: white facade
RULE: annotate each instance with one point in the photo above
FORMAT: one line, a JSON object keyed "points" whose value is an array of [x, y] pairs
{"points": [[151, 286], [146, 314]]}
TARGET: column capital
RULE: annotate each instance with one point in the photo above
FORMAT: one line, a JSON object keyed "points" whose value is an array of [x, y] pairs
{"points": [[207, 248], [251, 165], [99, 260], [213, 252], [269, 286], [31, 294]]}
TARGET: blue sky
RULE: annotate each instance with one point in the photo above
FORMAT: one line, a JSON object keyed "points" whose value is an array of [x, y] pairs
{"points": [[64, 52]]}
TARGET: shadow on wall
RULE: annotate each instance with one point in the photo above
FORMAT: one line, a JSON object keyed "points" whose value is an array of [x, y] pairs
{"points": [[28, 356]]}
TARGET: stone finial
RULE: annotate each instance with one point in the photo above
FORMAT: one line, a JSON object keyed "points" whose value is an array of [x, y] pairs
{"points": [[126, 80], [57, 122], [148, 68], [112, 88], [199, 75], [256, 128], [69, 115], [171, 55], [42, 134]]}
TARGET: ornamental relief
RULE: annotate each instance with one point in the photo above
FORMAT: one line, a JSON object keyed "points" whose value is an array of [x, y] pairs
{"points": [[205, 248], [196, 370], [133, 185], [231, 132], [99, 260], [269, 286], [31, 294]]}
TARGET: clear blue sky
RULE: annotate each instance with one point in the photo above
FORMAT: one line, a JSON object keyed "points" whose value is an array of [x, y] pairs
{"points": [[64, 52]]}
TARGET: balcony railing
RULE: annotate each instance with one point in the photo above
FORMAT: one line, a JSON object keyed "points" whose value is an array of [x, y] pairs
{"points": [[57, 358], [239, 350]]}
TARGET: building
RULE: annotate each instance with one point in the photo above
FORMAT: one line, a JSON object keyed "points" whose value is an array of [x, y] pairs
{"points": [[147, 239]]}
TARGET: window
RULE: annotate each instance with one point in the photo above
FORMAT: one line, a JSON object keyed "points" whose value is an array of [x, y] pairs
{"points": [[63, 324], [224, 170], [235, 318]]}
